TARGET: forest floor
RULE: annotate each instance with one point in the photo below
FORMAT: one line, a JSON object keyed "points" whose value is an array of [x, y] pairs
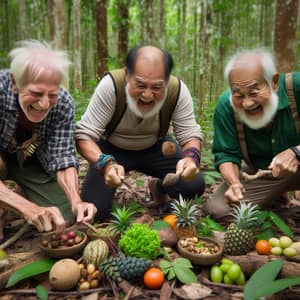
{"points": [[171, 290]]}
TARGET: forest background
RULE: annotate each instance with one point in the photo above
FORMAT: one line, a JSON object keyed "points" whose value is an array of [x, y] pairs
{"points": [[199, 34]]}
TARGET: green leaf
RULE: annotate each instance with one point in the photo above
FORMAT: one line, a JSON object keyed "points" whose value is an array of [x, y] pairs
{"points": [[213, 225], [165, 265], [182, 262], [41, 292], [171, 274], [281, 225], [159, 224], [266, 225], [276, 286], [261, 277], [185, 275], [29, 270], [262, 216], [266, 234]]}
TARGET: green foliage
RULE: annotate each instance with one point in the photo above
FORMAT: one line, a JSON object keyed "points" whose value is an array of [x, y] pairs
{"points": [[41, 292], [29, 270], [206, 225], [159, 224], [262, 282], [179, 268], [269, 222], [140, 241], [123, 217]]}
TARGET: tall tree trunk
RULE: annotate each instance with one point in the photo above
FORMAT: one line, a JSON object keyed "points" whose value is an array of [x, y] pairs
{"points": [[195, 48], [6, 31], [162, 23], [22, 19], [123, 14], [77, 45], [101, 37], [149, 22], [285, 34], [60, 40], [51, 4]]}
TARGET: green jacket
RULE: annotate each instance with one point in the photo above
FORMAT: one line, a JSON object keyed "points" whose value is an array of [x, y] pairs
{"points": [[263, 144]]}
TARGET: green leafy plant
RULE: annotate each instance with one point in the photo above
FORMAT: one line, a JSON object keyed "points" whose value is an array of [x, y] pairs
{"points": [[122, 217], [140, 241], [179, 268], [29, 270], [269, 222], [205, 226], [262, 282]]}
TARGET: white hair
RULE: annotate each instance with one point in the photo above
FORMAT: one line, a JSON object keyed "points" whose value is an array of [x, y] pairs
{"points": [[266, 59], [31, 58]]}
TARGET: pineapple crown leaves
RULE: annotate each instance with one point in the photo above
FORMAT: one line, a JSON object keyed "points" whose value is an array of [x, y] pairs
{"points": [[185, 211], [245, 215], [122, 217]]}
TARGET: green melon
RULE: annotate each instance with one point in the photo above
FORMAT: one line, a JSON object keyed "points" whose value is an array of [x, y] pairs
{"points": [[95, 252]]}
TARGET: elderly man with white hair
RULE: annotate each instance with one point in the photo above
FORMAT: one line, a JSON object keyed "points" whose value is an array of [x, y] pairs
{"points": [[256, 121], [37, 148]]}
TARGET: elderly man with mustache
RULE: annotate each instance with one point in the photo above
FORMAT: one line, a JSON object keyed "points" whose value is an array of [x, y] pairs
{"points": [[126, 124]]}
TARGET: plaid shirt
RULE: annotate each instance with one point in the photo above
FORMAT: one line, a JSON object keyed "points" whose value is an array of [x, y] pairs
{"points": [[56, 150]]}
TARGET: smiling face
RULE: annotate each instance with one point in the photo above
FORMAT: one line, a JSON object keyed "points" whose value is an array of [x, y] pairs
{"points": [[146, 86], [252, 97], [37, 97]]}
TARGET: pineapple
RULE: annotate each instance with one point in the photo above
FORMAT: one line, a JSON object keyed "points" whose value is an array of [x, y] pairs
{"points": [[239, 236], [185, 213]]}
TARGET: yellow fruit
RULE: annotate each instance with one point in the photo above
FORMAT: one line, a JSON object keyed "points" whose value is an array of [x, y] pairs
{"points": [[289, 252], [274, 242], [276, 250], [285, 242], [3, 254]]}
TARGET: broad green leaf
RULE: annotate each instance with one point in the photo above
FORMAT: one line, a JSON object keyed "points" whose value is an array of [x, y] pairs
{"points": [[266, 234], [29, 270], [276, 286], [281, 225], [159, 224], [213, 225], [263, 276], [266, 225], [164, 265], [182, 262], [185, 275], [171, 274], [41, 292], [262, 216]]}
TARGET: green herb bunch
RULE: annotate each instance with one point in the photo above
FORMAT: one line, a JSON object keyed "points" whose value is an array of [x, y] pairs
{"points": [[140, 241]]}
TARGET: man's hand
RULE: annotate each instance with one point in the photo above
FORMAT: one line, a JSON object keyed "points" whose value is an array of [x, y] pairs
{"points": [[45, 218], [187, 168], [85, 211], [114, 175], [234, 193], [284, 164]]}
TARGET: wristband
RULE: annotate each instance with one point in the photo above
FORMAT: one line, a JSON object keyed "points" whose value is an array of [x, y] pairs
{"points": [[194, 153], [296, 151], [103, 161]]}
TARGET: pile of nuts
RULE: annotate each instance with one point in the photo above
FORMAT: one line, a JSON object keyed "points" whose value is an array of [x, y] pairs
{"points": [[89, 278], [68, 239], [198, 246]]}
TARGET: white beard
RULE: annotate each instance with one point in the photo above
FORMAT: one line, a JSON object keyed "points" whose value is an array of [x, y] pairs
{"points": [[269, 111], [132, 105]]}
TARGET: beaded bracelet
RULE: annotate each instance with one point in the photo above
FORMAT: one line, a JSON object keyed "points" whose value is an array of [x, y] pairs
{"points": [[103, 161], [194, 153]]}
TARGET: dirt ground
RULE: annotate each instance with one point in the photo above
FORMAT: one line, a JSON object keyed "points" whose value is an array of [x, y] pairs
{"points": [[28, 244]]}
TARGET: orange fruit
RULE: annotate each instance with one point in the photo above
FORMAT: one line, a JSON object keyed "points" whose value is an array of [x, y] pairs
{"points": [[263, 247], [154, 278], [171, 220]]}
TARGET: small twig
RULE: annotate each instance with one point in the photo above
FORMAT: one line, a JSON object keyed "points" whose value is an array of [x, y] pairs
{"points": [[16, 236], [258, 174], [90, 226], [129, 293]]}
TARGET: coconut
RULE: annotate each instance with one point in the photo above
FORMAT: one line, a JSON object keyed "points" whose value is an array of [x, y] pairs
{"points": [[168, 237], [64, 274]]}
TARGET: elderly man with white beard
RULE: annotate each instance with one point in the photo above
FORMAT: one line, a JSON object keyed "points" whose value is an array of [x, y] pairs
{"points": [[125, 127], [256, 121]]}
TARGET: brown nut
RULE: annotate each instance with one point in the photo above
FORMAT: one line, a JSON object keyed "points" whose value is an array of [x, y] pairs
{"points": [[94, 283], [84, 286], [95, 275], [90, 268], [83, 273]]}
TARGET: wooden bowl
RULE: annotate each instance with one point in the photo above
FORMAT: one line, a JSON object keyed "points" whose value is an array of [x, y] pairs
{"points": [[63, 251], [201, 259]]}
